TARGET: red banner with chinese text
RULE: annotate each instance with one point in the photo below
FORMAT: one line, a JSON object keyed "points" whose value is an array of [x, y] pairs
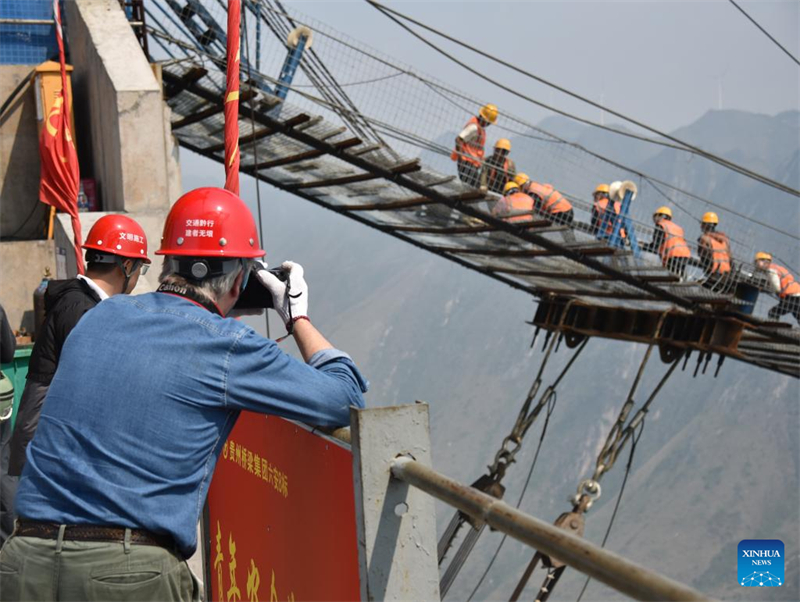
{"points": [[60, 175], [282, 522]]}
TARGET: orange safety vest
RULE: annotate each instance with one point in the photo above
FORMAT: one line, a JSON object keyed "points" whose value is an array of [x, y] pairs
{"points": [[493, 172], [552, 201], [514, 203], [718, 245], [600, 207], [789, 286], [674, 244], [471, 152]]}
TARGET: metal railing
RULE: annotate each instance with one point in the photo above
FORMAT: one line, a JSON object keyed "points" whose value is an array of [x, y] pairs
{"points": [[607, 567]]}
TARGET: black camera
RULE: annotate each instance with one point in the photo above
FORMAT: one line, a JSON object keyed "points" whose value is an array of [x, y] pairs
{"points": [[255, 295]]}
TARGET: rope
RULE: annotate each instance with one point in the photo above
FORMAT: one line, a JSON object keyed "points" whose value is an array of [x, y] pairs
{"points": [[255, 146]]}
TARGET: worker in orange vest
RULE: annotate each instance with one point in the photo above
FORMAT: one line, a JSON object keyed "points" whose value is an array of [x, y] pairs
{"points": [[549, 202], [669, 242], [498, 169], [714, 251], [602, 217], [782, 284], [515, 206], [470, 143]]}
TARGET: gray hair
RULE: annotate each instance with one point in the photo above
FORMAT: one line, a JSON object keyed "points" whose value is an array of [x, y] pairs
{"points": [[211, 288]]}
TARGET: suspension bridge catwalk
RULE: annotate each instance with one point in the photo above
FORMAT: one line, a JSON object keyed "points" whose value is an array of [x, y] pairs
{"points": [[334, 158]]}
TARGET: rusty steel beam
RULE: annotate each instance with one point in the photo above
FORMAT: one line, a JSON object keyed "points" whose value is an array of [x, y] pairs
{"points": [[607, 567], [676, 330]]}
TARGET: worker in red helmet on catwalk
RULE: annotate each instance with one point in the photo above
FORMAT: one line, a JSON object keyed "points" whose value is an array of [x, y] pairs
{"points": [[470, 142], [147, 392], [116, 254]]}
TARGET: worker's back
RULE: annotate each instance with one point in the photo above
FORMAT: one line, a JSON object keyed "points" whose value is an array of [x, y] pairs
{"points": [[146, 393]]}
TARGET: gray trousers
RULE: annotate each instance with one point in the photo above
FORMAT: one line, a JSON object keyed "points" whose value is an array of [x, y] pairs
{"points": [[8, 485], [48, 569]]}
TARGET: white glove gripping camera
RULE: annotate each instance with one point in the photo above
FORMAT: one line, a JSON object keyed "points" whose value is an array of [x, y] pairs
{"points": [[289, 291]]}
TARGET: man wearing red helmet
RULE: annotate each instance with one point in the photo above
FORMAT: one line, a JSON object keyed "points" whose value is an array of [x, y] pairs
{"points": [[116, 254], [117, 474]]}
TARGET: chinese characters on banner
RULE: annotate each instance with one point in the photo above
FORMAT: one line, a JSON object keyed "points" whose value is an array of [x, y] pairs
{"points": [[281, 514]]}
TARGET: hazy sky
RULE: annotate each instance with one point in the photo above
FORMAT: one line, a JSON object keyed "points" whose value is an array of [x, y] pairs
{"points": [[663, 62]]}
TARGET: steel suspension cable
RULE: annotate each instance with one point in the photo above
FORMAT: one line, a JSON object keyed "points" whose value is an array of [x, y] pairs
{"points": [[551, 404], [765, 32], [503, 460], [628, 466], [684, 145]]}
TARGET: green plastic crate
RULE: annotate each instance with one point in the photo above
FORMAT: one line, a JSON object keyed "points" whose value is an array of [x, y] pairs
{"points": [[17, 371]]}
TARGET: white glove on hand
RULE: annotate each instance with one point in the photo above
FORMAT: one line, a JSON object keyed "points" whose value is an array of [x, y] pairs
{"points": [[297, 297]]}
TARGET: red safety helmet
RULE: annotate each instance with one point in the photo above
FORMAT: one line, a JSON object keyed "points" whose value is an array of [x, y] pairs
{"points": [[210, 222], [118, 235]]}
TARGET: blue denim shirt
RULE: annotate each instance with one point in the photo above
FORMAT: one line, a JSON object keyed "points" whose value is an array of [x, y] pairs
{"points": [[146, 392]]}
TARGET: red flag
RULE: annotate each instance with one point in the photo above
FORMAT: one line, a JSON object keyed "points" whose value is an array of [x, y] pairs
{"points": [[232, 100], [60, 175]]}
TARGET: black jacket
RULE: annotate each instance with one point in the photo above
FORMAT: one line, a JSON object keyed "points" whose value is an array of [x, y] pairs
{"points": [[8, 343], [65, 302]]}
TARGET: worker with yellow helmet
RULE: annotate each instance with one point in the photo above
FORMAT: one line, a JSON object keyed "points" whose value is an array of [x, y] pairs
{"points": [[469, 150], [781, 282], [515, 206], [498, 169], [605, 213], [714, 252], [669, 242]]}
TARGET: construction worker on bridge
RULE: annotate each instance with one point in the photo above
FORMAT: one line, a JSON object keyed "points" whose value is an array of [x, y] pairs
{"points": [[469, 150], [782, 283], [147, 391], [549, 202], [714, 253], [116, 255], [669, 242], [605, 213], [498, 169], [515, 206]]}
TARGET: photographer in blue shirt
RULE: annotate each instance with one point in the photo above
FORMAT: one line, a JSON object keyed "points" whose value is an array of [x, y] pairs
{"points": [[146, 392]]}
